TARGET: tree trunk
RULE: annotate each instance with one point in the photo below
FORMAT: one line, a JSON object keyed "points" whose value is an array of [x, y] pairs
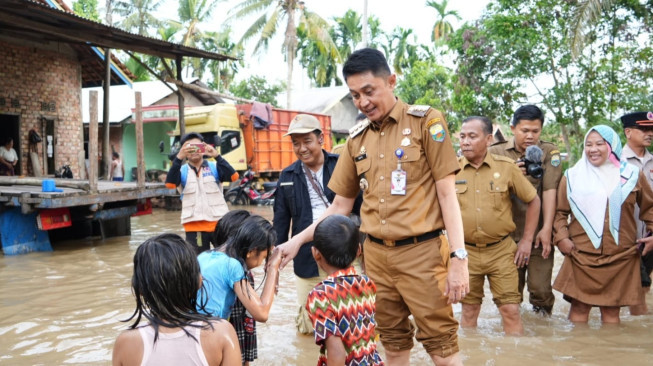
{"points": [[565, 139], [291, 45]]}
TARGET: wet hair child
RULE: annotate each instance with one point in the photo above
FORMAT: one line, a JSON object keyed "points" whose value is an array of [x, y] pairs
{"points": [[224, 270], [245, 325], [344, 297], [165, 283]]}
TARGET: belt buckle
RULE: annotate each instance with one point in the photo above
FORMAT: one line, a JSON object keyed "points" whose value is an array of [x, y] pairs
{"points": [[388, 243]]}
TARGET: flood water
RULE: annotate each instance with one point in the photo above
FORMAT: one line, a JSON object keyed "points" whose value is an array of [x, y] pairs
{"points": [[65, 307]]}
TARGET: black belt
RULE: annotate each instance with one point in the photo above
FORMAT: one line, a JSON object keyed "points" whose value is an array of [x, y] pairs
{"points": [[412, 240], [481, 245]]}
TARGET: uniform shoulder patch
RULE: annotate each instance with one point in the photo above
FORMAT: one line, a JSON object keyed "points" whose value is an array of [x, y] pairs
{"points": [[555, 158], [437, 132], [418, 110], [358, 128]]}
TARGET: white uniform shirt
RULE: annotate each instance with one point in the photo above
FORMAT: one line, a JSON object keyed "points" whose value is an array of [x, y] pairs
{"points": [[644, 163]]}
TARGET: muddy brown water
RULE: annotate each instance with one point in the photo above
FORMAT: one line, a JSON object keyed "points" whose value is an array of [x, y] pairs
{"points": [[65, 307]]}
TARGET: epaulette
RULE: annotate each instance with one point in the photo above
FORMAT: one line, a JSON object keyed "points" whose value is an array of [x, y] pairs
{"points": [[358, 128], [547, 142], [498, 143], [418, 110], [498, 157]]}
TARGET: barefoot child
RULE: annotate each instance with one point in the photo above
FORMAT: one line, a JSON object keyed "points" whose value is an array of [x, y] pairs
{"points": [[165, 283], [343, 298], [243, 323], [224, 270]]}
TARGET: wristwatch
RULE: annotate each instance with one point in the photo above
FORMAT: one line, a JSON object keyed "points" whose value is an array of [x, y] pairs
{"points": [[459, 253]]}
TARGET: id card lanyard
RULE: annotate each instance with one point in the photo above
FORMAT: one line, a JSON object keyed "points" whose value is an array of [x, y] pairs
{"points": [[398, 181]]}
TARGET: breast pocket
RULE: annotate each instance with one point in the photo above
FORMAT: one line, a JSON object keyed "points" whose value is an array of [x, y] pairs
{"points": [[461, 194], [412, 163], [499, 196], [363, 166], [189, 200]]}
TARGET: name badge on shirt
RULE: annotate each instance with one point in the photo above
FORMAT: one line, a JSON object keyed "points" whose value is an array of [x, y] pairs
{"points": [[398, 184]]}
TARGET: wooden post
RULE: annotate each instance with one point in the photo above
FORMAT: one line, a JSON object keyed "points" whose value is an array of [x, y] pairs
{"points": [[106, 123], [93, 142], [180, 100], [140, 153]]}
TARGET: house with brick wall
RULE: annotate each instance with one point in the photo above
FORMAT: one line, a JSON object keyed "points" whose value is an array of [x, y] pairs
{"points": [[40, 89]]}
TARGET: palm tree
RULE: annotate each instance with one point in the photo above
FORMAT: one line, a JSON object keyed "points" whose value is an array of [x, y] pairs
{"points": [[138, 14], [265, 25], [400, 50], [223, 72], [442, 28], [588, 12], [191, 14], [348, 32]]}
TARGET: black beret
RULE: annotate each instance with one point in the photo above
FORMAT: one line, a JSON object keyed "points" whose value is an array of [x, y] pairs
{"points": [[637, 119]]}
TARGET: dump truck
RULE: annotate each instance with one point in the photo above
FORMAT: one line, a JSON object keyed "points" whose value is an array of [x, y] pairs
{"points": [[265, 150]]}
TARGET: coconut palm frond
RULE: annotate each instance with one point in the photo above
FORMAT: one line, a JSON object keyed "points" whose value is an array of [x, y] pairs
{"points": [[268, 31], [587, 13], [254, 29], [248, 8]]}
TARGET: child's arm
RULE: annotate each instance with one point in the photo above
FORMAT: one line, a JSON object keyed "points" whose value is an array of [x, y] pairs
{"points": [[128, 349], [336, 354], [259, 307]]}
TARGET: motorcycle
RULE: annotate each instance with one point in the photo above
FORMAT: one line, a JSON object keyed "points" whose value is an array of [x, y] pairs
{"points": [[244, 193]]}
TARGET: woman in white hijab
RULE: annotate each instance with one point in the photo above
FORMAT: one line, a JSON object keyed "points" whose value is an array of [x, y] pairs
{"points": [[601, 265]]}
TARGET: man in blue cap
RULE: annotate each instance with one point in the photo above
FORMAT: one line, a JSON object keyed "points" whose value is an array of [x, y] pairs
{"points": [[638, 128]]}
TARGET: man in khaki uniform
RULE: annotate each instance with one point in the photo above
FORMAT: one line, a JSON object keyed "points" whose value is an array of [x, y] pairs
{"points": [[484, 186], [526, 127], [403, 160], [638, 128]]}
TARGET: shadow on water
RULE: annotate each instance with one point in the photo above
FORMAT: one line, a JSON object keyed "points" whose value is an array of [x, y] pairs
{"points": [[65, 307]]}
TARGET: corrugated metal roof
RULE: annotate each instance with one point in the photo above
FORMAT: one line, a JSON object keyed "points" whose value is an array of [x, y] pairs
{"points": [[36, 19]]}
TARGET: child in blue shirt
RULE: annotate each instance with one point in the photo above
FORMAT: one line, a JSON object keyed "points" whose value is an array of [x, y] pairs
{"points": [[224, 270]]}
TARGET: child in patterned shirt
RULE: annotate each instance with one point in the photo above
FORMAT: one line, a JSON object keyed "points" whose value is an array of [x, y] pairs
{"points": [[342, 306]]}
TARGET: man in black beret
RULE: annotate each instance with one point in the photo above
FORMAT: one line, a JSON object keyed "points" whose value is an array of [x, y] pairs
{"points": [[638, 128]]}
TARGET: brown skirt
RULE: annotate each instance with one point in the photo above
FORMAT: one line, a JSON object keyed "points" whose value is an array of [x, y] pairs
{"points": [[601, 280]]}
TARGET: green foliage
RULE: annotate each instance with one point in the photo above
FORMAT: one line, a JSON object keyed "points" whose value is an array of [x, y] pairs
{"points": [[137, 15], [140, 72], [257, 88], [223, 72], [428, 83], [442, 28], [87, 9], [527, 42]]}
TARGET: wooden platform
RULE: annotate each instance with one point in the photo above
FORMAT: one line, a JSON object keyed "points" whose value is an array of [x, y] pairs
{"points": [[31, 197]]}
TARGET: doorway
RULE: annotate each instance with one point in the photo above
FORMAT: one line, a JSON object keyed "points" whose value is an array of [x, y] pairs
{"points": [[10, 128]]}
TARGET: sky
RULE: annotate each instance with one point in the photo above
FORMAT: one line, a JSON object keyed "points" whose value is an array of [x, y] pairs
{"points": [[404, 13]]}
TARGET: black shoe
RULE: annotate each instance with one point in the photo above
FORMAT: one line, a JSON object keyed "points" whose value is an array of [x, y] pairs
{"points": [[544, 310]]}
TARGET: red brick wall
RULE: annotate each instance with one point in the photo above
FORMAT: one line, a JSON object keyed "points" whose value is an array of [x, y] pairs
{"points": [[46, 83]]}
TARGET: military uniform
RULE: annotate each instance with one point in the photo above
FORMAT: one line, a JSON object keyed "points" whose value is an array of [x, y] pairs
{"points": [[484, 197], [405, 253], [539, 270]]}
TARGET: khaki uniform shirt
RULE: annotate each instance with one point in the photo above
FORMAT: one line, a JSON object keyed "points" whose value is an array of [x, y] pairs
{"points": [[370, 155], [645, 164], [552, 173], [484, 197]]}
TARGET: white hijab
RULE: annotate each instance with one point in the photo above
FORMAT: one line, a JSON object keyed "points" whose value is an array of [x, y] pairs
{"points": [[590, 189]]}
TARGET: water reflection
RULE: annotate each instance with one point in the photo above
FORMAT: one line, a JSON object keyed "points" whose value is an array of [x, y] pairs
{"points": [[65, 307]]}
